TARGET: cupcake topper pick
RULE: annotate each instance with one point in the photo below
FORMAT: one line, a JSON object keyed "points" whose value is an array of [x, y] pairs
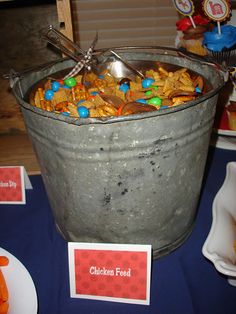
{"points": [[185, 7], [217, 10]]}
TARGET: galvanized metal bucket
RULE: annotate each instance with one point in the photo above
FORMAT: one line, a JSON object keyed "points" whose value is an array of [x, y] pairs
{"points": [[129, 179]]}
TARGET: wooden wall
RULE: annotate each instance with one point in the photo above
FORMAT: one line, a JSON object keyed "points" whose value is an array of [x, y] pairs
{"points": [[122, 22], [20, 48]]}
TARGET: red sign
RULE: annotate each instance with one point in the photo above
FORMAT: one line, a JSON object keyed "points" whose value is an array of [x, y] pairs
{"points": [[110, 272], [12, 188]]}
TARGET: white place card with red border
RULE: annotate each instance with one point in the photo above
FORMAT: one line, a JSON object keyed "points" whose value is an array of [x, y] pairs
{"points": [[110, 272], [13, 182]]}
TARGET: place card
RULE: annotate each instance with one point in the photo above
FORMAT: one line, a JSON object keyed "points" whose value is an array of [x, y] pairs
{"points": [[110, 272], [13, 182]]}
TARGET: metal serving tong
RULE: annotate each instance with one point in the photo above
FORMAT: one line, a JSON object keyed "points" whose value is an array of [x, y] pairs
{"points": [[84, 59], [61, 42], [127, 64], [71, 49], [88, 59]]}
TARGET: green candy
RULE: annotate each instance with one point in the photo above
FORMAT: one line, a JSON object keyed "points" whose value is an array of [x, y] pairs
{"points": [[71, 82], [148, 93], [156, 101], [154, 87]]}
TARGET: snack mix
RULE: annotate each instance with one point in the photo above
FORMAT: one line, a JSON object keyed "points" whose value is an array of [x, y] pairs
{"points": [[104, 95]]}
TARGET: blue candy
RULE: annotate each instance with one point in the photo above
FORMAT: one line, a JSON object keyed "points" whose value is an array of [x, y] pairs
{"points": [[198, 90], [147, 82], [49, 94], [124, 87], [142, 101], [65, 113], [55, 86], [83, 111], [94, 93]]}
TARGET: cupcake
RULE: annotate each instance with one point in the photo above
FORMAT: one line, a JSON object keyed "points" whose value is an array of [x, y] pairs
{"points": [[190, 37], [222, 47], [231, 113]]}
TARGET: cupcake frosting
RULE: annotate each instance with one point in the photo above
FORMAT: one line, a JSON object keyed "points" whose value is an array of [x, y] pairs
{"points": [[185, 23], [217, 42]]}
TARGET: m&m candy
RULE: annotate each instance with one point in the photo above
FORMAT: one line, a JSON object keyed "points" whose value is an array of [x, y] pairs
{"points": [[55, 86], [125, 80], [156, 101], [65, 113], [148, 93], [147, 82], [154, 87], [83, 112], [71, 82], [49, 93], [124, 87], [142, 101], [198, 90]]}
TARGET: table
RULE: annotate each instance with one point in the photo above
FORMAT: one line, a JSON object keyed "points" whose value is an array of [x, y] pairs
{"points": [[182, 282]]}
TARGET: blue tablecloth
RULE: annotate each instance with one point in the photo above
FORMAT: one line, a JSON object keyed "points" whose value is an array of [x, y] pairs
{"points": [[182, 282]]}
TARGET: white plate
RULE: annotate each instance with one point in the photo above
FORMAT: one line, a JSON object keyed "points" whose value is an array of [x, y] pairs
{"points": [[225, 132], [219, 245], [224, 142], [222, 136], [22, 293]]}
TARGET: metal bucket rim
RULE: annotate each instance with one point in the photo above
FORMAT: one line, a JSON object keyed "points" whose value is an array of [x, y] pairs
{"points": [[109, 120]]}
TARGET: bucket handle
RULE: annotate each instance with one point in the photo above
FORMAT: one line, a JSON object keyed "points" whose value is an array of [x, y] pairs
{"points": [[179, 51], [182, 52], [14, 76]]}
